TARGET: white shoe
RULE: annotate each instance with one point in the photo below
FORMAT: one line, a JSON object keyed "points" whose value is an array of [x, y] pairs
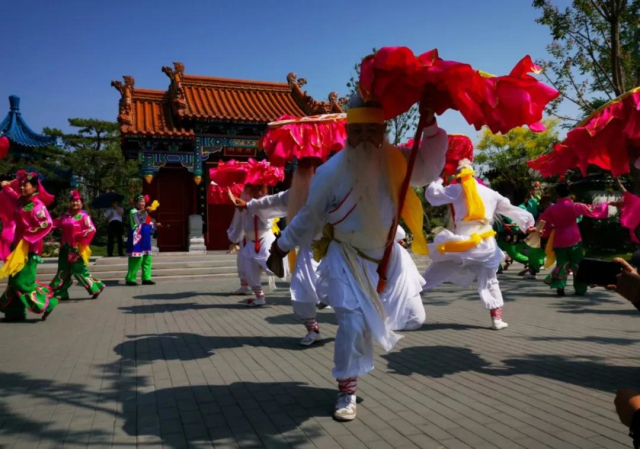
{"points": [[530, 276], [256, 302], [499, 324], [345, 407], [310, 338], [246, 290]]}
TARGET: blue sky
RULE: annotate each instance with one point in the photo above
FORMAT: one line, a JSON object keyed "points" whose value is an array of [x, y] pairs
{"points": [[61, 56]]}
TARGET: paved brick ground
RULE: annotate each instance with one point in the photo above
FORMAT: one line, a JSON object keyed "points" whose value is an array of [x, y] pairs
{"points": [[183, 364]]}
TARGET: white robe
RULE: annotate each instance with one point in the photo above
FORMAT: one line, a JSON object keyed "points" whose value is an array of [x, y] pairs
{"points": [[304, 277], [329, 202], [242, 231], [481, 262]]}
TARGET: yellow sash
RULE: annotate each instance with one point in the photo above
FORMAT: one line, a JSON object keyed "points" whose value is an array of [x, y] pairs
{"points": [[412, 213], [460, 246], [475, 205], [274, 228], [16, 260]]}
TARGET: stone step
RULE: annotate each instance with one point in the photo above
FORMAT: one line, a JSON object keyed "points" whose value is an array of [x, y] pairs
{"points": [[166, 267]]}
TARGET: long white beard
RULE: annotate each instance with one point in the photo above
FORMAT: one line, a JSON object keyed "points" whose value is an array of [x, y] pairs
{"points": [[367, 165]]}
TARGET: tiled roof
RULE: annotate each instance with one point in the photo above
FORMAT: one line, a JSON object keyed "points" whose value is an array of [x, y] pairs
{"points": [[235, 100], [17, 131], [191, 98], [151, 115]]}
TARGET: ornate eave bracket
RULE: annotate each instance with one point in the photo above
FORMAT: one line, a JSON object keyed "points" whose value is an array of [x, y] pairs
{"points": [[125, 114], [176, 91], [306, 101]]}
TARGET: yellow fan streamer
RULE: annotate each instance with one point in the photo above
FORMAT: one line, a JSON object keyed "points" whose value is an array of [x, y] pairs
{"points": [[16, 260], [550, 253], [85, 252]]}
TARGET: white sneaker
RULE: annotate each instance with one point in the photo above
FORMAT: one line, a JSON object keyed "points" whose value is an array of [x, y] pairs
{"points": [[246, 290], [310, 338], [499, 324], [345, 407], [256, 302]]}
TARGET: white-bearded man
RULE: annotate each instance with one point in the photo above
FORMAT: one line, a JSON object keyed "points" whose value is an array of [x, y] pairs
{"points": [[353, 192]]}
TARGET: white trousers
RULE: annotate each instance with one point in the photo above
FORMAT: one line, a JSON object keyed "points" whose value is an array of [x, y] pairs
{"points": [[354, 345], [304, 310]]}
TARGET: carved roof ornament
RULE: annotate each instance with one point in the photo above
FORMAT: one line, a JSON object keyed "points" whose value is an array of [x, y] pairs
{"points": [[176, 91], [306, 101], [125, 117]]}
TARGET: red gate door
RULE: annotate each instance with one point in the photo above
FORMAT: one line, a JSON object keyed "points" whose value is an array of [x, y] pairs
{"points": [[218, 220], [174, 189]]}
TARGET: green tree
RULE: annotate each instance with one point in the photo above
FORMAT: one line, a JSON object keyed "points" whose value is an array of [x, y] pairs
{"points": [[595, 56], [503, 158], [400, 128], [93, 153], [595, 53]]}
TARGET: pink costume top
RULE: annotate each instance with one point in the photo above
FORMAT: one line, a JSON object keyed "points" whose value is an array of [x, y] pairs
{"points": [[32, 220], [562, 217], [76, 229]]}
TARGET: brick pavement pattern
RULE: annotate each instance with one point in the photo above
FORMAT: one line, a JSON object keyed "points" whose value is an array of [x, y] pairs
{"points": [[183, 364]]}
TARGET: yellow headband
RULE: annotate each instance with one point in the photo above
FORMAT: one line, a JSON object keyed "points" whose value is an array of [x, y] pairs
{"points": [[365, 115]]}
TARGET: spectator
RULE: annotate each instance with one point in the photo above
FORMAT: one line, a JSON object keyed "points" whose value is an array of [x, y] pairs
{"points": [[115, 229]]}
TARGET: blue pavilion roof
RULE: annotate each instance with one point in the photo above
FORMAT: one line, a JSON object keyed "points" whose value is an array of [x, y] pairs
{"points": [[17, 130]]}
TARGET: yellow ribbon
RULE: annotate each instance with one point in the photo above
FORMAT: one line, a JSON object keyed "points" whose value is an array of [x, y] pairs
{"points": [[461, 246], [16, 260], [321, 246], [85, 252], [412, 213], [550, 253], [274, 227], [475, 205]]}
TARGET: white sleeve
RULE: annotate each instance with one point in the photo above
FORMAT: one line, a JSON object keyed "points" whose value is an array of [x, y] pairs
{"points": [[309, 221], [108, 214], [431, 156], [235, 233], [521, 217], [270, 206], [400, 234], [438, 195]]}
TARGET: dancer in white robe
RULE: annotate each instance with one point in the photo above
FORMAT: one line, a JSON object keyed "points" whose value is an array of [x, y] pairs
{"points": [[471, 252], [255, 237], [352, 192]]}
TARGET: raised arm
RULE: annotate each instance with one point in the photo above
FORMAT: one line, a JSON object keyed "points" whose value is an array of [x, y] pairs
{"points": [[521, 217], [597, 211], [431, 156], [437, 194], [270, 206]]}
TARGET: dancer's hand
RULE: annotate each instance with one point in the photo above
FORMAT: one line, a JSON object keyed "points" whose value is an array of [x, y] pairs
{"points": [[628, 285], [627, 403], [241, 204], [5, 183]]}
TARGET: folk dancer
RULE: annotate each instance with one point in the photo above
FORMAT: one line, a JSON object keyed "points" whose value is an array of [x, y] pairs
{"points": [[77, 233], [27, 200], [561, 225], [353, 192], [471, 252], [139, 248]]}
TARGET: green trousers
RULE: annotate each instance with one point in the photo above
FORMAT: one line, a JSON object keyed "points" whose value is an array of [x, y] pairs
{"points": [[513, 250], [71, 264], [24, 293], [135, 263], [567, 260], [536, 258]]}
